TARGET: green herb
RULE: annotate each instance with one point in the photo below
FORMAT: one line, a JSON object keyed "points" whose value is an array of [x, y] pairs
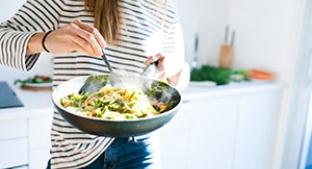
{"points": [[207, 72]]}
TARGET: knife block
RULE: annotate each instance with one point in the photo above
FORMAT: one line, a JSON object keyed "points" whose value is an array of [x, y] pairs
{"points": [[225, 58]]}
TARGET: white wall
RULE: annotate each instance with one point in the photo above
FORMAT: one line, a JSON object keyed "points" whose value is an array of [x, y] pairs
{"points": [[265, 34], [207, 18], [8, 8], [298, 117]]}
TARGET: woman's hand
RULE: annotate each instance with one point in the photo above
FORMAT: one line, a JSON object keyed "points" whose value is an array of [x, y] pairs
{"points": [[169, 68], [76, 36]]}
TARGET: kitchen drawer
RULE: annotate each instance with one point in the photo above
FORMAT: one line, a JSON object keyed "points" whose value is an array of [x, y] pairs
{"points": [[13, 152], [13, 128], [181, 120], [39, 158], [40, 132]]}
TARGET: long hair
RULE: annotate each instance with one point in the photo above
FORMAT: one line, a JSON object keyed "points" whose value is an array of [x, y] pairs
{"points": [[107, 17]]}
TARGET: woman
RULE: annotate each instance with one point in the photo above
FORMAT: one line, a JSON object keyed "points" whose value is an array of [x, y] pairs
{"points": [[134, 33]]}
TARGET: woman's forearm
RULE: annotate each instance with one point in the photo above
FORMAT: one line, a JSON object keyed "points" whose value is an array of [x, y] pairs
{"points": [[34, 45], [181, 79]]}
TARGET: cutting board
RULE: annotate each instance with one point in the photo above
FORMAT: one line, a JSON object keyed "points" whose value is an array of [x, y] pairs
{"points": [[31, 88]]}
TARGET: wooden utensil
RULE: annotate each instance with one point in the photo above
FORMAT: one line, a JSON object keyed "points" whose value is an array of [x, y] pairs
{"points": [[226, 50]]}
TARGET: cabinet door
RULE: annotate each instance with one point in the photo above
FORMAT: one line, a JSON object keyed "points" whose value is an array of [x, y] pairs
{"points": [[40, 132], [257, 129], [13, 142], [174, 140], [39, 141], [212, 134], [13, 128], [13, 152], [39, 158]]}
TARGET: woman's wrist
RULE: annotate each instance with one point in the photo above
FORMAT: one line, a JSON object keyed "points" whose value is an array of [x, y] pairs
{"points": [[173, 80], [43, 41], [34, 45], [181, 79]]}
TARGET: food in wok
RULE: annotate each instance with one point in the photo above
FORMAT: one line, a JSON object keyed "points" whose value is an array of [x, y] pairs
{"points": [[115, 103], [87, 111]]}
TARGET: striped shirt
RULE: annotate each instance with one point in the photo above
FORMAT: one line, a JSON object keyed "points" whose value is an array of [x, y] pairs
{"points": [[145, 32]]}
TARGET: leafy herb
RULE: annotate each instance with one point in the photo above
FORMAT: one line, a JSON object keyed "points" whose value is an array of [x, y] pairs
{"points": [[36, 79], [216, 74]]}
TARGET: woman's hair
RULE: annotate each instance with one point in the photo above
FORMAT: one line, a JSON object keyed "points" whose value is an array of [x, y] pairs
{"points": [[107, 18]]}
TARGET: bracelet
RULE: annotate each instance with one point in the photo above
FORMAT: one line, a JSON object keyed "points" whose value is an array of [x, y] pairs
{"points": [[43, 40]]}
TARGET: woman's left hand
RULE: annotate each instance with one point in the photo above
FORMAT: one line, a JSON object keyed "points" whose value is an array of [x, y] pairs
{"points": [[169, 68]]}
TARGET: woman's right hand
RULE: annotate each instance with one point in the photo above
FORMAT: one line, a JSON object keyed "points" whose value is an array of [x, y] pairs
{"points": [[76, 36]]}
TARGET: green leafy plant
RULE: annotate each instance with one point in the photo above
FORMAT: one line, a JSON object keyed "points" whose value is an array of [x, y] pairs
{"points": [[208, 72], [38, 79]]}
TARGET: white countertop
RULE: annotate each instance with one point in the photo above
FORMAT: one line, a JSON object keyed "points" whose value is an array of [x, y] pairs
{"points": [[36, 103], [39, 103], [198, 92]]}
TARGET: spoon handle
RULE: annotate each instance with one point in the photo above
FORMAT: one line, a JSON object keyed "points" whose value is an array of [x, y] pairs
{"points": [[106, 61]]}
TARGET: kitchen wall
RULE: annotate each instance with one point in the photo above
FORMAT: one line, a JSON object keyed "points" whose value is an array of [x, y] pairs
{"points": [[265, 31], [207, 18]]}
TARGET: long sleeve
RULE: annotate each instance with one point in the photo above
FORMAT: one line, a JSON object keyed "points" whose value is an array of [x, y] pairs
{"points": [[34, 16], [174, 47]]}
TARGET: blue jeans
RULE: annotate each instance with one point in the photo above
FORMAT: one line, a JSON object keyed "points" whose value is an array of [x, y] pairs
{"points": [[141, 152]]}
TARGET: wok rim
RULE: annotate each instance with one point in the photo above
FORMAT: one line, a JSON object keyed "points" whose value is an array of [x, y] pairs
{"points": [[166, 113]]}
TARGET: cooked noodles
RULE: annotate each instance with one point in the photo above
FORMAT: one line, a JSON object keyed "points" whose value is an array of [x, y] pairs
{"points": [[114, 103]]}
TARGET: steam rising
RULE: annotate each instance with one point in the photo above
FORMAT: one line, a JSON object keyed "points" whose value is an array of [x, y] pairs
{"points": [[161, 91]]}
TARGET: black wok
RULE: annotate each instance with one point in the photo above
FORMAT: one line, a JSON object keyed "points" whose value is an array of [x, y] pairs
{"points": [[120, 128]]}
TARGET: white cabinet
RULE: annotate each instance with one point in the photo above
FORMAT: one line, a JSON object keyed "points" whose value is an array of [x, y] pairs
{"points": [[212, 132], [224, 128], [13, 128], [38, 158], [13, 152], [25, 131], [39, 141], [257, 129], [26, 141], [175, 140], [13, 142]]}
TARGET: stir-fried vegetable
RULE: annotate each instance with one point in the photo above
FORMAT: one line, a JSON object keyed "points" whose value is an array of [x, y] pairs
{"points": [[115, 103]]}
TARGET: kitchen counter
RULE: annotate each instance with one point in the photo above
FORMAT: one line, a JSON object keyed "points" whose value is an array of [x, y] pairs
{"points": [[194, 91], [41, 101]]}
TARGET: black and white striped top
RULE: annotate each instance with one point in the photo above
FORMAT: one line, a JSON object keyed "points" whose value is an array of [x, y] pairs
{"points": [[144, 33]]}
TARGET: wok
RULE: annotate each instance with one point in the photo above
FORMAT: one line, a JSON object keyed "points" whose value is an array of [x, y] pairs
{"points": [[120, 128]]}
